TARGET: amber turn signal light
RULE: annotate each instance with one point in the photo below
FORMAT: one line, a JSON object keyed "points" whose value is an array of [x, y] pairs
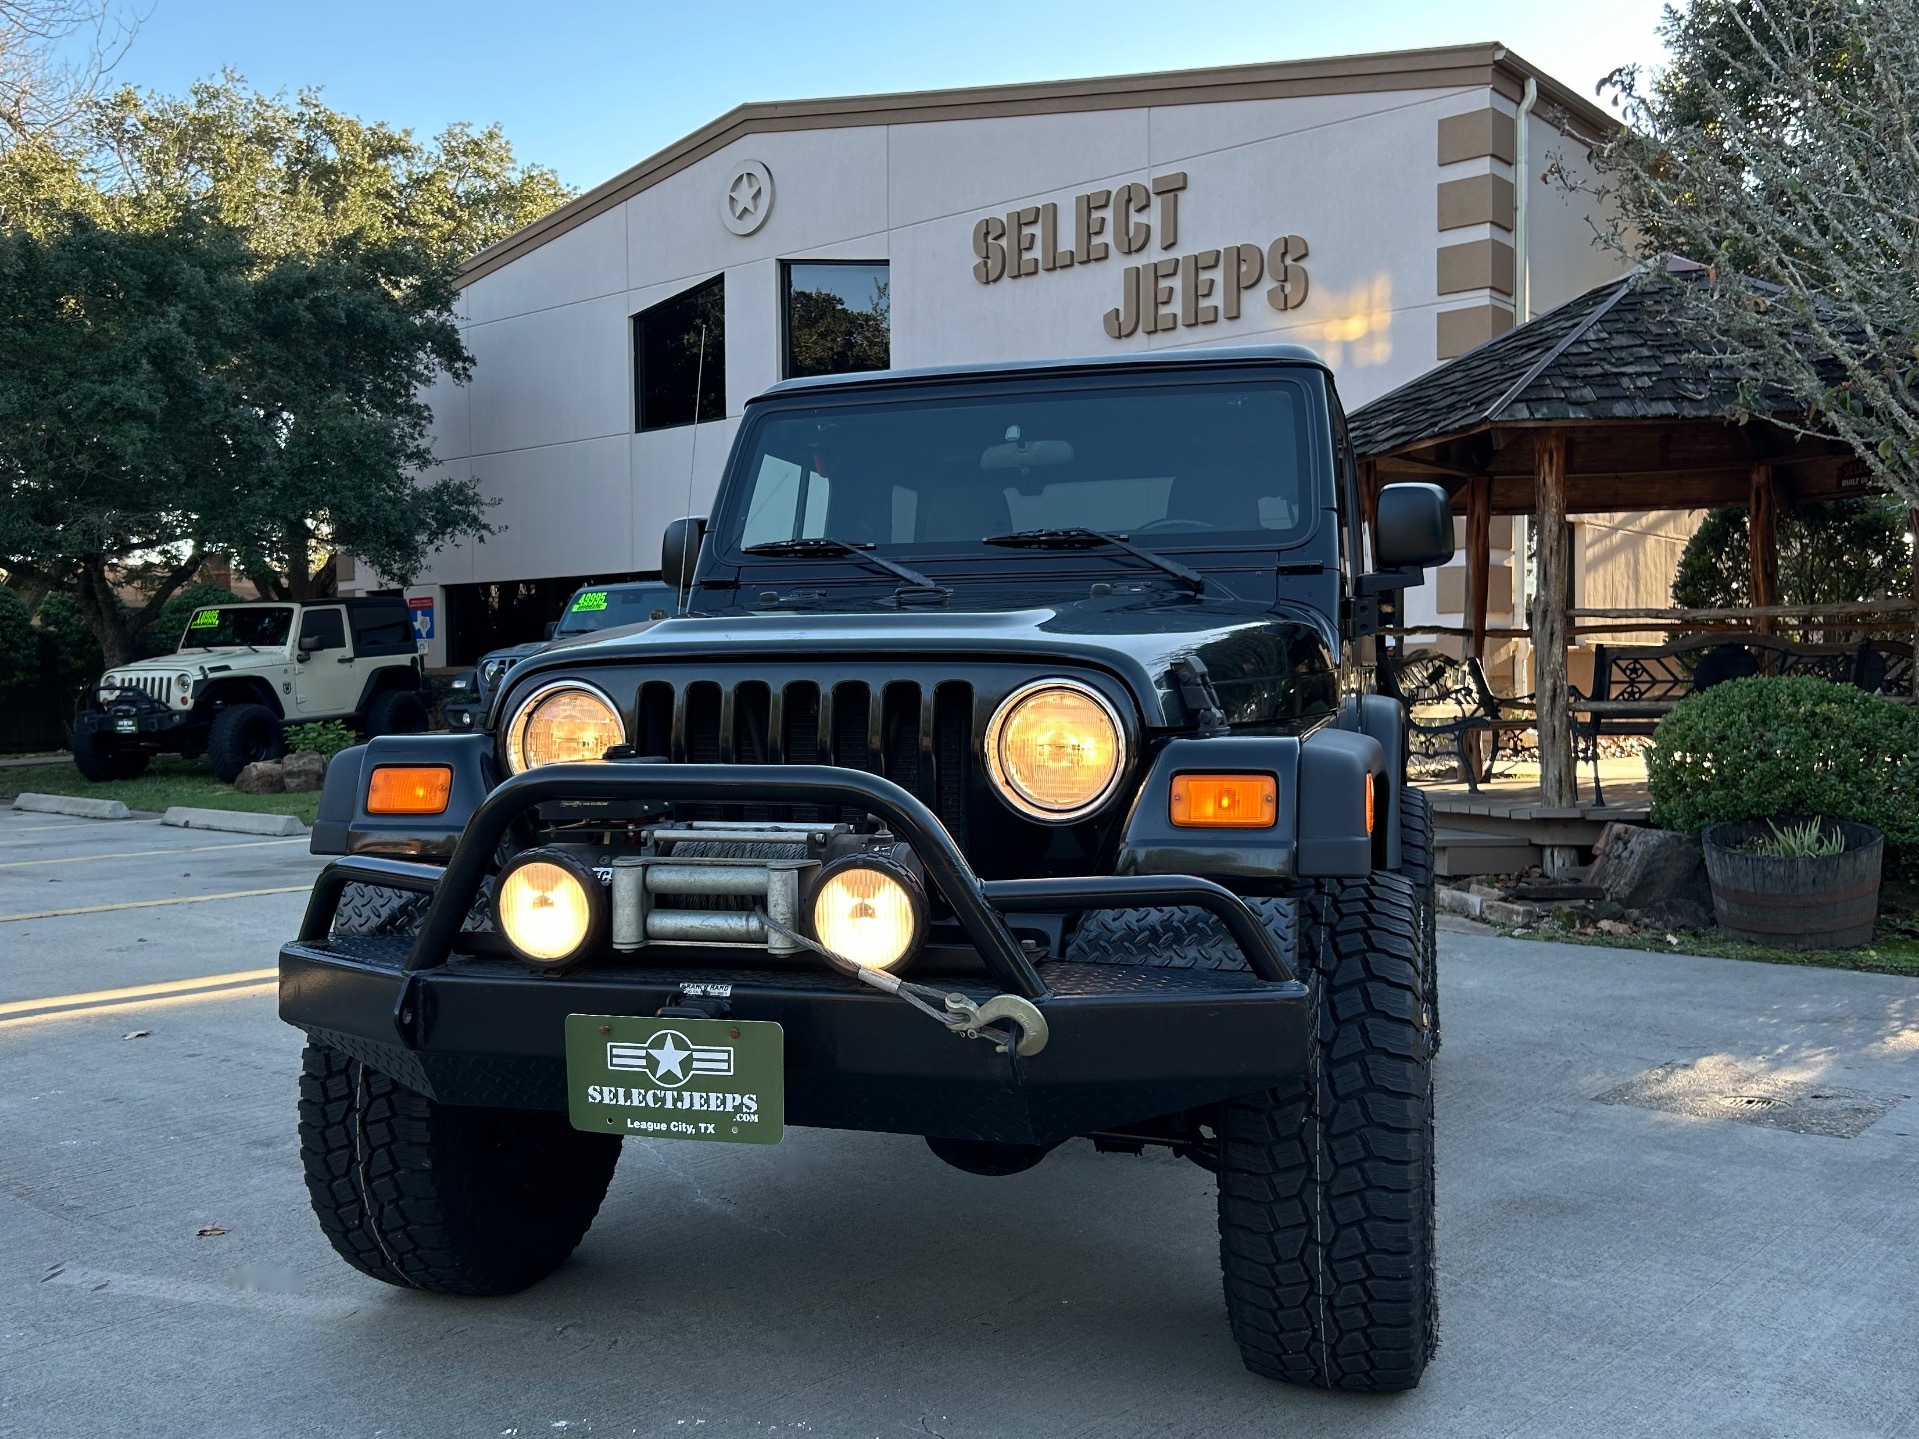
{"points": [[409, 789], [1225, 801]]}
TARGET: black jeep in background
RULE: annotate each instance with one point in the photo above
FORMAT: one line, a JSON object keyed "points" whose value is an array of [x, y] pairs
{"points": [[1014, 776]]}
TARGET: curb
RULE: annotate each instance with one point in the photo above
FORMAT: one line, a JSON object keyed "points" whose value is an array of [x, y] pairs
{"points": [[236, 821], [73, 804]]}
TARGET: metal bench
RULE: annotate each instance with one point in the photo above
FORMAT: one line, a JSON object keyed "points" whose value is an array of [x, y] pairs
{"points": [[1447, 700], [1635, 686]]}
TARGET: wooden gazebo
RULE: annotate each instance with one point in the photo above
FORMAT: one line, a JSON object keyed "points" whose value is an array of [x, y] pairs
{"points": [[1593, 407]]}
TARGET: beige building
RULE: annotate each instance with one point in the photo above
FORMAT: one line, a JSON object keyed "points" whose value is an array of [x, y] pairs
{"points": [[1384, 209]]}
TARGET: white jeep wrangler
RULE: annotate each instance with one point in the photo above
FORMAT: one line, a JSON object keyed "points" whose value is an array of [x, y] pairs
{"points": [[243, 672]]}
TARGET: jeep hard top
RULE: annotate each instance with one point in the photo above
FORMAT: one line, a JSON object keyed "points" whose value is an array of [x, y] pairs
{"points": [[1015, 777], [241, 673]]}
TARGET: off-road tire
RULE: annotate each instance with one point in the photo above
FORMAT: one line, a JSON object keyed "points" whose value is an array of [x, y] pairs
{"points": [[396, 712], [100, 760], [1416, 863], [240, 735], [1175, 937], [1326, 1187], [448, 1198]]}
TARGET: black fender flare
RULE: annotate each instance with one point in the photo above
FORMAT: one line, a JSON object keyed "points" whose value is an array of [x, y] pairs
{"points": [[237, 689], [387, 677]]}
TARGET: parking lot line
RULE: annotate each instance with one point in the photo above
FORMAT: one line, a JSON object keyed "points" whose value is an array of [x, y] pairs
{"points": [[134, 991], [149, 853], [178, 996], [155, 903]]}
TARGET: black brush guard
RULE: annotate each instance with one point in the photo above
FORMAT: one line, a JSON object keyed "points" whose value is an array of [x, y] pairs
{"points": [[1128, 1043]]}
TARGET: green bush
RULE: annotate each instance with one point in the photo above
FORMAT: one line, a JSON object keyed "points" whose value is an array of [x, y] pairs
{"points": [[1763, 747], [329, 737]]}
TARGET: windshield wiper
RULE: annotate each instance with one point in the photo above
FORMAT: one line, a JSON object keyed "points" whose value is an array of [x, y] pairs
{"points": [[825, 546], [1084, 539]]}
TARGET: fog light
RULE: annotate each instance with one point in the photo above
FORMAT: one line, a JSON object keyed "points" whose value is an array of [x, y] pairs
{"points": [[549, 906], [868, 910], [1225, 801]]}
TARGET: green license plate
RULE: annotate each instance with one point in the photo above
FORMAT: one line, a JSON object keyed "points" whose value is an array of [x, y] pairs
{"points": [[126, 726], [718, 1080]]}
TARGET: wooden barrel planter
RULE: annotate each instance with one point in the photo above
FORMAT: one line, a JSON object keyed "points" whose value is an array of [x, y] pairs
{"points": [[1827, 903]]}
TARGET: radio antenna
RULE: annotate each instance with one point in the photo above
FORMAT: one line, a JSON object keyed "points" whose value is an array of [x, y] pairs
{"points": [[683, 582]]}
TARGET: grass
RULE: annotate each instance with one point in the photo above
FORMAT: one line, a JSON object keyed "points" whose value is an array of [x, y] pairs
{"points": [[1887, 954], [170, 781], [1894, 948]]}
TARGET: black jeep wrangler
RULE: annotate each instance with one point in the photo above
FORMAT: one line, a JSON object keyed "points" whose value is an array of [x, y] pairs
{"points": [[1014, 776]]}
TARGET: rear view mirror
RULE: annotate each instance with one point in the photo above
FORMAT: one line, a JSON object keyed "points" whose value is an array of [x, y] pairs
{"points": [[680, 550], [1414, 527]]}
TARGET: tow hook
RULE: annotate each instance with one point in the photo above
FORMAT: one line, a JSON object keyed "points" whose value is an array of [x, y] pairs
{"points": [[960, 1014], [1022, 1012]]}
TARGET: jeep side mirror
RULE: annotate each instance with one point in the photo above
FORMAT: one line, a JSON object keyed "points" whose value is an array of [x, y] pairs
{"points": [[552, 628], [1413, 528], [311, 644], [680, 550]]}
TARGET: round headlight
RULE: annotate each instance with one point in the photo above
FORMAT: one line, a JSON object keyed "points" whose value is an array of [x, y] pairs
{"points": [[868, 911], [185, 681], [1055, 750], [559, 723], [549, 906]]}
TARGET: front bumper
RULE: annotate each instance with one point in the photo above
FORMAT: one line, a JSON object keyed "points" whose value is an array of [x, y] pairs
{"points": [[1128, 1043], [142, 719]]}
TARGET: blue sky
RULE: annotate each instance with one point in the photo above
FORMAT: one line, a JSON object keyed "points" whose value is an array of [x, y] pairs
{"points": [[589, 89]]}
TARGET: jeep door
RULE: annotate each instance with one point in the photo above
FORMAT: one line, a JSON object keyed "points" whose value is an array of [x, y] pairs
{"points": [[325, 679]]}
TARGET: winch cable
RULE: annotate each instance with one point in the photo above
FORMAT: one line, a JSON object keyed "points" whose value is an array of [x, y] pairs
{"points": [[959, 1013]]}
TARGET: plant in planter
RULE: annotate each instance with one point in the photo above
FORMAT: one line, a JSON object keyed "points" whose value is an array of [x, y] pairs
{"points": [[1804, 884], [1729, 761]]}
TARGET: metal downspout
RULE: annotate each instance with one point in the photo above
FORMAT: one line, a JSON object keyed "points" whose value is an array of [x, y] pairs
{"points": [[1522, 168]]}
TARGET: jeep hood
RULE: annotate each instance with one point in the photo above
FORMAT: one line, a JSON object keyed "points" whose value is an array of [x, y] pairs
{"points": [[222, 656], [1270, 667]]}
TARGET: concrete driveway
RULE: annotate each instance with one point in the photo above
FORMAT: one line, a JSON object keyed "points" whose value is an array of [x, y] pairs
{"points": [[1607, 1269]]}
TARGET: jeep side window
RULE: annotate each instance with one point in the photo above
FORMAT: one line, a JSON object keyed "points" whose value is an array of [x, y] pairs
{"points": [[322, 630]]}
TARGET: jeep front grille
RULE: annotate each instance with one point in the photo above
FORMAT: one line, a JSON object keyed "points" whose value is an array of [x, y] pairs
{"points": [[919, 736], [157, 687]]}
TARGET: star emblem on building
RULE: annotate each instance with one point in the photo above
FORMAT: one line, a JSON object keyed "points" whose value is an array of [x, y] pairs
{"points": [[743, 198]]}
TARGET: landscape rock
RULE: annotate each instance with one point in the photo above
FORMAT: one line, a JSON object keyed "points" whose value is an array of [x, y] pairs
{"points": [[1659, 871], [263, 776], [303, 771]]}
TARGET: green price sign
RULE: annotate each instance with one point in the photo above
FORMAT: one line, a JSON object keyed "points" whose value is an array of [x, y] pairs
{"points": [[205, 620], [591, 600]]}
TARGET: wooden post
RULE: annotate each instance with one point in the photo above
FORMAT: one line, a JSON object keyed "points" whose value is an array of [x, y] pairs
{"points": [[1762, 514], [1479, 527], [1557, 782]]}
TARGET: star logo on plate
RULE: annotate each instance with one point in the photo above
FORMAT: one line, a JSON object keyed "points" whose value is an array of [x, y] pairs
{"points": [[748, 198], [670, 1058]]}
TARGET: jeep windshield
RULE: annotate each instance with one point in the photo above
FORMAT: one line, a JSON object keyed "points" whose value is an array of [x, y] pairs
{"points": [[261, 626], [604, 607], [1190, 467]]}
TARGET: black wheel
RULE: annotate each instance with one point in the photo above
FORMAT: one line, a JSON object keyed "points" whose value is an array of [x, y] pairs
{"points": [[1326, 1188], [1416, 863], [240, 735], [396, 712], [100, 760], [454, 1199]]}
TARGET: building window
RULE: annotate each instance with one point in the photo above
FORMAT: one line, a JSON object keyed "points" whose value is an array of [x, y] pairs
{"points": [[679, 358], [838, 317]]}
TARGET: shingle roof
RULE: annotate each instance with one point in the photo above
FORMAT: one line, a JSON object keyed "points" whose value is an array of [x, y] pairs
{"points": [[1616, 352]]}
